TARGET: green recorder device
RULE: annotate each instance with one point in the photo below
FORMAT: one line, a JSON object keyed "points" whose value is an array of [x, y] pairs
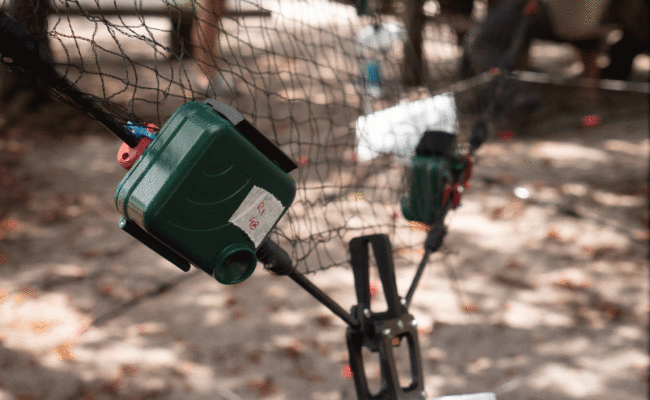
{"points": [[438, 171], [207, 191]]}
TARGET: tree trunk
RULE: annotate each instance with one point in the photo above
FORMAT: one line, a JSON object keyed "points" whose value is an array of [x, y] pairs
{"points": [[18, 92], [414, 19]]}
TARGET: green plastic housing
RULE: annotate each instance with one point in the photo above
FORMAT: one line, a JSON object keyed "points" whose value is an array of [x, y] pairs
{"points": [[429, 175], [206, 193]]}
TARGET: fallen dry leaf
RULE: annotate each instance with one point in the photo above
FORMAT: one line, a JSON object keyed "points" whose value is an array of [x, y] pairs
{"points": [[40, 327], [323, 349], [231, 301], [540, 184], [496, 213], [612, 312], [235, 369], [509, 281], [309, 375], [108, 251], [553, 235], [294, 350], [603, 252], [505, 135], [263, 388], [106, 290], [567, 283], [129, 369], [7, 180], [112, 387], [64, 351], [255, 357], [641, 235], [29, 292], [470, 308], [10, 225], [322, 320]]}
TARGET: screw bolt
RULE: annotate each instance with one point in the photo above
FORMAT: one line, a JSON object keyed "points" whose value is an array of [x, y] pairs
{"points": [[386, 332], [366, 312], [402, 301], [400, 324], [414, 323]]}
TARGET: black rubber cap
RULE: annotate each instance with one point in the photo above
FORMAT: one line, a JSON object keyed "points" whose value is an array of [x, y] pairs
{"points": [[436, 143]]}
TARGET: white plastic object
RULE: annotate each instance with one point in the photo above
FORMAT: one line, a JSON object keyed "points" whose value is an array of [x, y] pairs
{"points": [[397, 130], [371, 43]]}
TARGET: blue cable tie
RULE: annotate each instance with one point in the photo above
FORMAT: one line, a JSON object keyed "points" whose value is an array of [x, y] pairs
{"points": [[139, 131]]}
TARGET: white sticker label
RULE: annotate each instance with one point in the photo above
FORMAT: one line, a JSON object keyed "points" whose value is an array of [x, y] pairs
{"points": [[257, 214]]}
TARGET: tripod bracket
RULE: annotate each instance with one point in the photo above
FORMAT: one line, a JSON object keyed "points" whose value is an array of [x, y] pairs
{"points": [[378, 332]]}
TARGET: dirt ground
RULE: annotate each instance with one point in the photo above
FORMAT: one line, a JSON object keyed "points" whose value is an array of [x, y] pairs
{"points": [[540, 291]]}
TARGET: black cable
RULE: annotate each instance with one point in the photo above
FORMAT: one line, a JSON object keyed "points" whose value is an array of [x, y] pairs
{"points": [[20, 49], [277, 261]]}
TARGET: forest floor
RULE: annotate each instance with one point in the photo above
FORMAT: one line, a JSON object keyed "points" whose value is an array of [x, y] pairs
{"points": [[540, 291]]}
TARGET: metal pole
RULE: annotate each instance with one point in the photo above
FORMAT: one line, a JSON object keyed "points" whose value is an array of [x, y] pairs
{"points": [[322, 297], [603, 84], [416, 278], [276, 260]]}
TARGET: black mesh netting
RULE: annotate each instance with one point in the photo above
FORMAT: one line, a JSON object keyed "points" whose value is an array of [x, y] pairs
{"points": [[296, 67]]}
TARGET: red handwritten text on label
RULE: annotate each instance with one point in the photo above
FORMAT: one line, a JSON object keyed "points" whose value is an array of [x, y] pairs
{"points": [[257, 214], [253, 223]]}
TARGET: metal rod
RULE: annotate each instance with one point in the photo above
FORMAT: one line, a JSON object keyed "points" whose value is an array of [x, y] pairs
{"points": [[277, 260], [418, 275], [604, 84], [322, 297]]}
